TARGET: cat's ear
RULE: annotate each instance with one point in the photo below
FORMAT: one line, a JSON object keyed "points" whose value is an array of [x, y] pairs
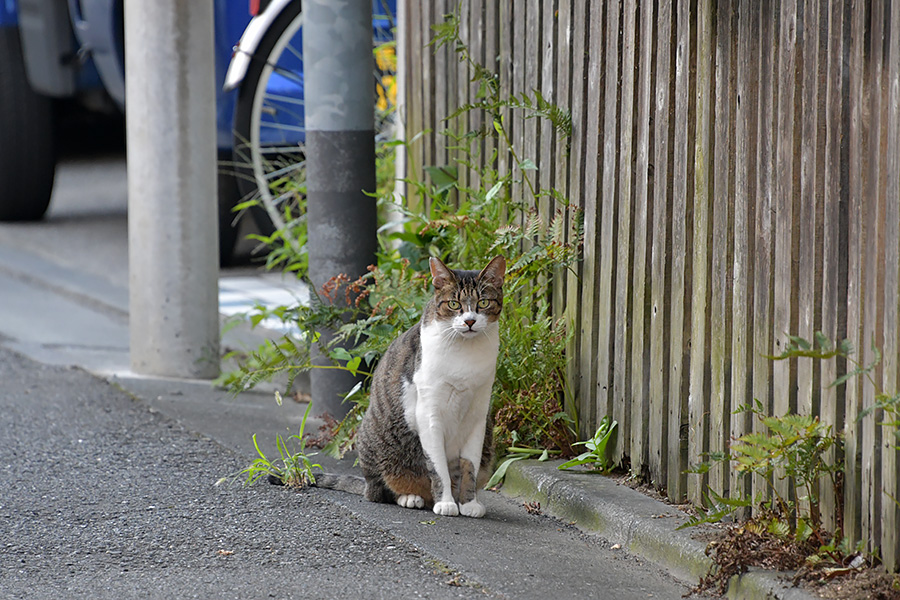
{"points": [[494, 272], [440, 274]]}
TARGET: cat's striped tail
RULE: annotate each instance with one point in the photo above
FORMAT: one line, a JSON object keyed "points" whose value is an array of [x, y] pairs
{"points": [[352, 484]]}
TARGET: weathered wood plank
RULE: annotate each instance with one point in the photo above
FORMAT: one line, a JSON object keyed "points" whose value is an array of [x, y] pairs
{"points": [[858, 162], [596, 405], [873, 271], [763, 226], [746, 112], [637, 435], [667, 358], [722, 244], [516, 124], [459, 77], [834, 243], [566, 288], [785, 306], [682, 202], [642, 373], [506, 54], [890, 467], [548, 165], [615, 137], [577, 176], [809, 262], [563, 71], [442, 88], [548, 65], [699, 153], [492, 27], [532, 131], [428, 90]]}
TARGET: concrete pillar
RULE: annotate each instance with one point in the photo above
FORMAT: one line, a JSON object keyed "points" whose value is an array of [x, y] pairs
{"points": [[172, 232], [340, 156]]}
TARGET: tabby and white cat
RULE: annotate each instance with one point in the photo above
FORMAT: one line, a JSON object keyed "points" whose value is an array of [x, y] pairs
{"points": [[426, 437]]}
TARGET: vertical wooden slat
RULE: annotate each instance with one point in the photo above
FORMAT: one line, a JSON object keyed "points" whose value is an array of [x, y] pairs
{"points": [[475, 118], [506, 53], [516, 124], [564, 68], [858, 134], [666, 360], [641, 343], [548, 67], [442, 89], [595, 403], [890, 467], [627, 204], [809, 275], [547, 205], [576, 175], [834, 242], [763, 242], [532, 131], [428, 88], [566, 289], [583, 57], [784, 309], [721, 260], [616, 149], [682, 202], [746, 111], [459, 77], [492, 26], [873, 210], [699, 407]]}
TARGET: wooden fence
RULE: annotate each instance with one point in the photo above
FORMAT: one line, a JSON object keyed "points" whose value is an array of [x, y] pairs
{"points": [[738, 164]]}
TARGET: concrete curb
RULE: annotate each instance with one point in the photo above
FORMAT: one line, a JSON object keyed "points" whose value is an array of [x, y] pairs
{"points": [[643, 526]]}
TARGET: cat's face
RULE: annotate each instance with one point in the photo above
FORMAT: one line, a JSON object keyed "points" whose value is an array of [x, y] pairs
{"points": [[468, 302]]}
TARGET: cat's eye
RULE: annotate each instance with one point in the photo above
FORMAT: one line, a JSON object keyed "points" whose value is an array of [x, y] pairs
{"points": [[453, 304], [482, 304]]}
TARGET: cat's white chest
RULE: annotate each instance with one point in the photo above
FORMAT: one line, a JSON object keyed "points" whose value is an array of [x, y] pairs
{"points": [[451, 388]]}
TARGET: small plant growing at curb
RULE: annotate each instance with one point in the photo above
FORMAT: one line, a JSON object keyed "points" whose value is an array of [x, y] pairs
{"points": [[293, 467], [595, 457]]}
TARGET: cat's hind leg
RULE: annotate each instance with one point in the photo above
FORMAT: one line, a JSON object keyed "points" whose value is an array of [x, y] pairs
{"points": [[410, 491]]}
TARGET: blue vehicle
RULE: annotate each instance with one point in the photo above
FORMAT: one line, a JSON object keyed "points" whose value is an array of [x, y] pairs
{"points": [[60, 52]]}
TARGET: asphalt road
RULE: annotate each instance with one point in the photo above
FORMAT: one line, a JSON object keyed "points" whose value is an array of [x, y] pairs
{"points": [[107, 490]]}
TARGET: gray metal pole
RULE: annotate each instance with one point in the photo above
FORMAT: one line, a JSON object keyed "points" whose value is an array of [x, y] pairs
{"points": [[172, 233], [340, 156]]}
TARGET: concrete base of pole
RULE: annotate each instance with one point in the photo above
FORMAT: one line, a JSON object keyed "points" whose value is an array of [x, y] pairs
{"points": [[172, 213]]}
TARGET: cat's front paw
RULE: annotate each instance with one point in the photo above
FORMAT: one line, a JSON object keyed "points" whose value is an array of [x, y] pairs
{"points": [[410, 501], [447, 509], [472, 509]]}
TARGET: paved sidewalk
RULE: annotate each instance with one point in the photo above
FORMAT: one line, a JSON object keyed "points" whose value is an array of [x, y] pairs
{"points": [[76, 319]]}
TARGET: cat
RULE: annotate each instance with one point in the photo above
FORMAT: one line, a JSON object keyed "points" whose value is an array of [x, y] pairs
{"points": [[426, 438]]}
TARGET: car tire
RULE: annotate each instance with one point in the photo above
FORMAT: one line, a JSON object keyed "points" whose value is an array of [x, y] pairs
{"points": [[27, 146]]}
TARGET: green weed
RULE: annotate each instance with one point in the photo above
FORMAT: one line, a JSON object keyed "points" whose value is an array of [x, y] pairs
{"points": [[293, 467], [595, 457]]}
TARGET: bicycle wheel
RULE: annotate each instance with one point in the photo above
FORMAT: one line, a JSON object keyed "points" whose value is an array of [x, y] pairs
{"points": [[270, 133]]}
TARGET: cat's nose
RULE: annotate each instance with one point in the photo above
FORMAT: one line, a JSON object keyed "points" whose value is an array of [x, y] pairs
{"points": [[470, 322]]}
